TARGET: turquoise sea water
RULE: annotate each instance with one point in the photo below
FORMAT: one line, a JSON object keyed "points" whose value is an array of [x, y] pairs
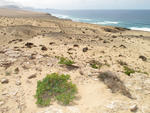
{"points": [[132, 19]]}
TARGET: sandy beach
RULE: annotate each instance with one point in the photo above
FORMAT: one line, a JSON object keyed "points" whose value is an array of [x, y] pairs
{"points": [[32, 42]]}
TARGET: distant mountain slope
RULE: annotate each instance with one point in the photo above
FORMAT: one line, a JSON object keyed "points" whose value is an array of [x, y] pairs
{"points": [[10, 6]]}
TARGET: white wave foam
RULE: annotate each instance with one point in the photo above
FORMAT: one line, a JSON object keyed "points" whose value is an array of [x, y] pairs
{"points": [[61, 16], [106, 22], [141, 29], [80, 19], [69, 17]]}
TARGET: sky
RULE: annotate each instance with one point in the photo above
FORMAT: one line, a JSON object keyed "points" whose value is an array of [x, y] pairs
{"points": [[80, 4]]}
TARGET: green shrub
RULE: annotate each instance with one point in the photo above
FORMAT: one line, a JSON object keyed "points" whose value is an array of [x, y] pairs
{"points": [[55, 87], [128, 70], [146, 73], [66, 61], [95, 64]]}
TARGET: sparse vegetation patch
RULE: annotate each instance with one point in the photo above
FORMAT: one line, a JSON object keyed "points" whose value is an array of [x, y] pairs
{"points": [[114, 83], [66, 61], [95, 64], [128, 70]]}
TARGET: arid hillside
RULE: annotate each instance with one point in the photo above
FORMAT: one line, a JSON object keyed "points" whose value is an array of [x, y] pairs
{"points": [[111, 65]]}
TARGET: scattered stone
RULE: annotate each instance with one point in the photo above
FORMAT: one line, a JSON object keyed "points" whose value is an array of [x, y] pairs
{"points": [[38, 69], [12, 53], [18, 83], [20, 40], [114, 36], [13, 93], [4, 93], [134, 108], [102, 51], [110, 30], [26, 67], [85, 49], [69, 53], [121, 29], [123, 46], [44, 48], [120, 55], [1, 103], [75, 45], [81, 72], [100, 39], [70, 37], [111, 40], [70, 49], [105, 41], [32, 57], [51, 43], [111, 105], [4, 81], [143, 58], [122, 63], [16, 70], [46, 55], [2, 52], [29, 44], [32, 76]]}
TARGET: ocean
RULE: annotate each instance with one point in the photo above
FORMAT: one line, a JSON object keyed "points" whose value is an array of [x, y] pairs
{"points": [[131, 19]]}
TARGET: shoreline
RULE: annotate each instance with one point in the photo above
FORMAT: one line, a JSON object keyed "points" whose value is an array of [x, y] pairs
{"points": [[41, 13], [102, 23]]}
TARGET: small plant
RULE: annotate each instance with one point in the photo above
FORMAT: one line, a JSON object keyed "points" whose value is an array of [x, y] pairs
{"points": [[7, 73], [57, 57], [55, 87], [66, 61], [106, 64], [101, 57], [95, 64], [146, 73], [128, 70]]}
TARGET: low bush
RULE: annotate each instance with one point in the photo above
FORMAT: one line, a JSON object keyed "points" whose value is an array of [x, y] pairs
{"points": [[66, 61], [55, 87], [128, 70], [95, 66]]}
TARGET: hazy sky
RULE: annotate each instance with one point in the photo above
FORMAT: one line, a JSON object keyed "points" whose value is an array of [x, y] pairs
{"points": [[81, 4]]}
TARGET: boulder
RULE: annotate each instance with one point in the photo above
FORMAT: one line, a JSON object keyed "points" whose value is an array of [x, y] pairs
{"points": [[4, 81]]}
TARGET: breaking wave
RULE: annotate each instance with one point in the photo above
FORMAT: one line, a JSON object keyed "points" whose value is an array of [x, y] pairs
{"points": [[106, 23], [141, 29]]}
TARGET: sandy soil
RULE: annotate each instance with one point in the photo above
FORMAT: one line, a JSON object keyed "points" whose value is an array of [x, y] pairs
{"points": [[112, 47]]}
